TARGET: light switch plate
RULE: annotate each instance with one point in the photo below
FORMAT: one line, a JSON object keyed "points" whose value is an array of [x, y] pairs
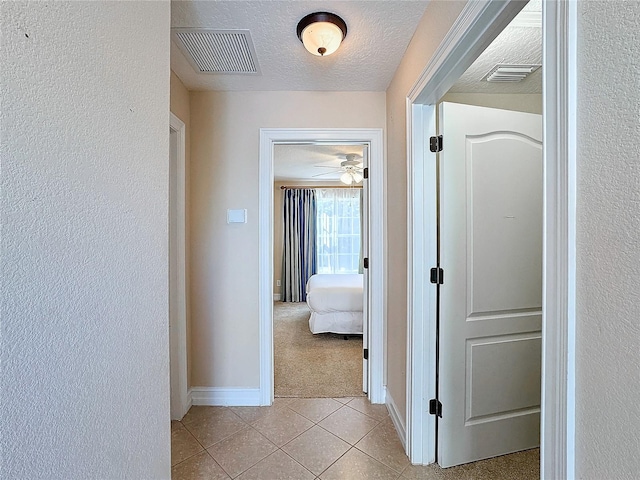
{"points": [[237, 215]]}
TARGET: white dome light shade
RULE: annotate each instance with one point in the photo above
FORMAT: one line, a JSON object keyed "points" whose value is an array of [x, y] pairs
{"points": [[322, 38], [346, 178], [321, 33], [357, 177]]}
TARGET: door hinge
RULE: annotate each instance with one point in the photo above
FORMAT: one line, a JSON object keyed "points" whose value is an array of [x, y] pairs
{"points": [[365, 353], [437, 275], [435, 143], [435, 407], [365, 262], [365, 172]]}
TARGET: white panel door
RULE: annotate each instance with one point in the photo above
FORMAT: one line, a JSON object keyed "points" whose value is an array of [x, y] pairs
{"points": [[491, 299], [364, 243]]}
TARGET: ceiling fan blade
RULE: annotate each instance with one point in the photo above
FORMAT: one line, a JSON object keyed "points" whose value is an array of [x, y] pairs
{"points": [[325, 173]]}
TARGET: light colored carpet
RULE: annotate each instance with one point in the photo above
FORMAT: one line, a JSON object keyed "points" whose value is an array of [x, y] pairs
{"points": [[307, 365]]}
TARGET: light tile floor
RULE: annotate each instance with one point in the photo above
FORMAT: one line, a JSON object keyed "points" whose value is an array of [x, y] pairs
{"points": [[312, 438]]}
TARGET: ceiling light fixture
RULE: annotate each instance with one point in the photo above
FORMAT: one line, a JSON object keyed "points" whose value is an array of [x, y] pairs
{"points": [[321, 33]]}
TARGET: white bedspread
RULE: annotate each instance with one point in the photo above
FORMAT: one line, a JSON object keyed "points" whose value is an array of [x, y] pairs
{"points": [[335, 302]]}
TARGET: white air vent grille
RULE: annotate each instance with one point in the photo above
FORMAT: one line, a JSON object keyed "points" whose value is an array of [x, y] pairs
{"points": [[510, 73], [217, 51]]}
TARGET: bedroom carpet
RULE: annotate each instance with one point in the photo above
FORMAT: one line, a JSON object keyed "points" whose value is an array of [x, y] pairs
{"points": [[307, 365]]}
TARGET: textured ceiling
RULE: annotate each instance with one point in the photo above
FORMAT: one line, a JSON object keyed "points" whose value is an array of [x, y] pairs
{"points": [[302, 162], [519, 43], [377, 37]]}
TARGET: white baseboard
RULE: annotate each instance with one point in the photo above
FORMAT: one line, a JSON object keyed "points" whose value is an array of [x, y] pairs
{"points": [[189, 399], [396, 418], [277, 297], [227, 397]]}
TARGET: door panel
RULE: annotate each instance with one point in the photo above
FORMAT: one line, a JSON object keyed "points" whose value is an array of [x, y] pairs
{"points": [[490, 303]]}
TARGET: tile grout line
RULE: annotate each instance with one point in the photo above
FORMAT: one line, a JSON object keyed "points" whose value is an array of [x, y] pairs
{"points": [[314, 423]]}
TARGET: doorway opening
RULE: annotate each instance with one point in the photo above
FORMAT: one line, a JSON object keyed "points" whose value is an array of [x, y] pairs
{"points": [[462, 46], [373, 341], [319, 250]]}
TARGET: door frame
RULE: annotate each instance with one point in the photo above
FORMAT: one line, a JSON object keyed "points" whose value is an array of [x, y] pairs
{"points": [[180, 402], [269, 137], [478, 24]]}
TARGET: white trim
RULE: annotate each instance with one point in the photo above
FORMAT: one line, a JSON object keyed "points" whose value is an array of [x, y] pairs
{"points": [[178, 357], [277, 297], [476, 27], [557, 452], [189, 399], [529, 19], [268, 138], [396, 418], [421, 296], [236, 397]]}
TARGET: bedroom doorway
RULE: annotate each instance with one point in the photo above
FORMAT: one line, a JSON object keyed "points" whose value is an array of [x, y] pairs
{"points": [[320, 212], [355, 141]]}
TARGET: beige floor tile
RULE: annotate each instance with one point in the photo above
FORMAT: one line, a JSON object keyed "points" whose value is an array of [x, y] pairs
{"points": [[241, 451], [277, 466], [316, 449], [282, 425], [315, 409], [183, 444], [383, 444], [216, 425], [282, 401], [363, 405], [198, 467], [343, 400], [251, 414], [198, 413], [349, 424], [355, 465]]}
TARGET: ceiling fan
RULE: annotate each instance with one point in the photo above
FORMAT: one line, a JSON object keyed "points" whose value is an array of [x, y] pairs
{"points": [[351, 168]]}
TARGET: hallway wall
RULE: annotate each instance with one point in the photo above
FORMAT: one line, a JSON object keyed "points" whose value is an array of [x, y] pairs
{"points": [[224, 174], [608, 241], [435, 23], [85, 155]]}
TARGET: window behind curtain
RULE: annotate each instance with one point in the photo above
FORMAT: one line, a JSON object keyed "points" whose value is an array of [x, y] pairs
{"points": [[338, 230]]}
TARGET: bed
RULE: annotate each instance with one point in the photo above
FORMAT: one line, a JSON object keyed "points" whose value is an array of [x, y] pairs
{"points": [[335, 301]]}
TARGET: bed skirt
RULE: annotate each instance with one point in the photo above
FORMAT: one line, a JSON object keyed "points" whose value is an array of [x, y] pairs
{"points": [[343, 323]]}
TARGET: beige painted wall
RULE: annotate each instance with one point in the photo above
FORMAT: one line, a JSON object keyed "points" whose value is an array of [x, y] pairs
{"points": [[608, 241], [224, 174], [438, 18], [180, 107], [529, 103], [85, 155]]}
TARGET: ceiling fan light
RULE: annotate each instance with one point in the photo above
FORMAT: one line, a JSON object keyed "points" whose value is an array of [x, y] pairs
{"points": [[357, 177], [346, 178], [321, 33]]}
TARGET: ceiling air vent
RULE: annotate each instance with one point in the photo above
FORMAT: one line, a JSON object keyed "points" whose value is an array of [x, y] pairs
{"points": [[510, 73], [217, 51]]}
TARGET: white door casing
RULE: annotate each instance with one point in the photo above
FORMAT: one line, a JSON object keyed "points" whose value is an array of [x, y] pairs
{"points": [[177, 272], [491, 300], [365, 277], [377, 277], [475, 28]]}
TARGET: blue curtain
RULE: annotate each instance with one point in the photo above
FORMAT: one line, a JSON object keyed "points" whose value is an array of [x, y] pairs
{"points": [[299, 251]]}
